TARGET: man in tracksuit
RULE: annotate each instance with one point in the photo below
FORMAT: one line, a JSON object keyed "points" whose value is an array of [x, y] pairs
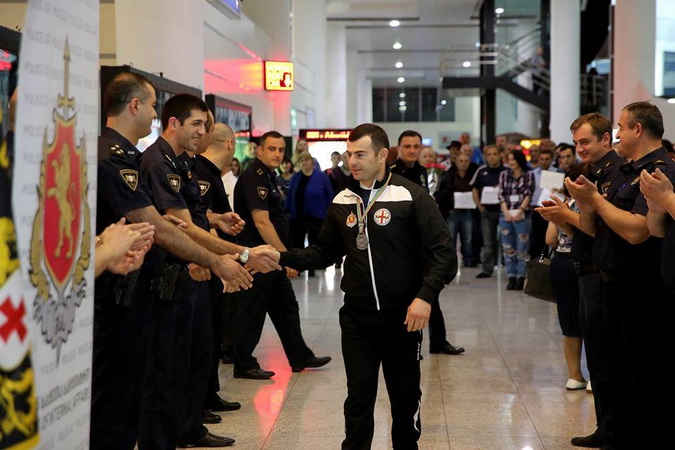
{"points": [[399, 256]]}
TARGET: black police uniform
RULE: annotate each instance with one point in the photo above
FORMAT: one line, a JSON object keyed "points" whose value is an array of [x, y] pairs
{"points": [[437, 331], [122, 317], [184, 339], [214, 197], [639, 316], [409, 255], [591, 314], [272, 292]]}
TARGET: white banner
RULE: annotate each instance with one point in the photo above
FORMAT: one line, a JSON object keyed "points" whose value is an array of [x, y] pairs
{"points": [[54, 198]]}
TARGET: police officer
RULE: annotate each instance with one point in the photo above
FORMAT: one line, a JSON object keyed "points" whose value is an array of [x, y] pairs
{"points": [[381, 221], [123, 316], [592, 134], [215, 153], [407, 166], [187, 318], [258, 202], [638, 319]]}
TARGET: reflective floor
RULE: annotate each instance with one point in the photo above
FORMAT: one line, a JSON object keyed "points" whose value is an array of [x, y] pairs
{"points": [[506, 392]]}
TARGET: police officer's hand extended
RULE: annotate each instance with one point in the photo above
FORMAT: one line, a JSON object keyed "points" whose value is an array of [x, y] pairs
{"points": [[263, 258], [199, 273], [418, 315], [234, 273], [229, 223], [291, 273]]}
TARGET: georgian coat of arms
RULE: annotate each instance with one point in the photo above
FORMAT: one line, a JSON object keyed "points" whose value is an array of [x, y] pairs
{"points": [[60, 249]]}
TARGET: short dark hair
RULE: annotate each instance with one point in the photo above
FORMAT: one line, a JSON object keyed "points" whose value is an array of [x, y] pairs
{"points": [[335, 153], [454, 144], [378, 137], [409, 133], [646, 114], [270, 134], [545, 151], [519, 157], [181, 106], [565, 146], [599, 124], [122, 89]]}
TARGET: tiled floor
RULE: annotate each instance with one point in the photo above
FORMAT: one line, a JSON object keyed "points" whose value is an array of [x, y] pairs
{"points": [[506, 392]]}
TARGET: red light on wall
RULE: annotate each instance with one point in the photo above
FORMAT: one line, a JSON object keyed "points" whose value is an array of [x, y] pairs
{"points": [[279, 76]]}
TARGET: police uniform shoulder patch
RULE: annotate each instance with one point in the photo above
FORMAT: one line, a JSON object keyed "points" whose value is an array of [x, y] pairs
{"points": [[605, 186], [262, 192], [130, 177], [174, 181], [115, 149], [203, 187]]}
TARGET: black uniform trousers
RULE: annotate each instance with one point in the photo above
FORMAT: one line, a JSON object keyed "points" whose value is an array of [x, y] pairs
{"points": [[593, 329], [217, 300], [176, 382], [120, 347], [371, 338], [437, 331], [640, 313], [272, 293]]}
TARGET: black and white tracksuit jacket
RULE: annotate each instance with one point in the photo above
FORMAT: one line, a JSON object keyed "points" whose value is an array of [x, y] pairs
{"points": [[410, 253]]}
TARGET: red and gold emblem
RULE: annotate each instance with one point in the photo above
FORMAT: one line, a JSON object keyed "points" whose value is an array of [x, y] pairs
{"points": [[61, 237]]}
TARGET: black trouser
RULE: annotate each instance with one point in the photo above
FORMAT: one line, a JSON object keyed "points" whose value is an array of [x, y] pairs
{"points": [[120, 348], [489, 224], [272, 293], [368, 339], [537, 235], [594, 332], [300, 227], [175, 385], [437, 333], [217, 301], [640, 313]]}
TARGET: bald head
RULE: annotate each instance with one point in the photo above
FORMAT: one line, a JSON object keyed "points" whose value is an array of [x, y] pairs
{"points": [[221, 145]]}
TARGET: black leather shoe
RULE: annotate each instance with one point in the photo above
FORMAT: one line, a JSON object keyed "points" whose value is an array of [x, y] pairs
{"points": [[211, 418], [218, 404], [312, 363], [520, 283], [484, 275], [447, 349], [208, 440], [591, 441], [254, 374], [512, 284]]}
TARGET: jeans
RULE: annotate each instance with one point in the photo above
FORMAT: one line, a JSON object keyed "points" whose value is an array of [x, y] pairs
{"points": [[515, 238], [460, 222], [489, 222]]}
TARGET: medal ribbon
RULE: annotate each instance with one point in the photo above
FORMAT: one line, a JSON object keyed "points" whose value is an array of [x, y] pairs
{"points": [[361, 213]]}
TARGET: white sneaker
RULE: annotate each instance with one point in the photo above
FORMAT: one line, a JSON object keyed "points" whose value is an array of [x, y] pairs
{"points": [[574, 385], [589, 389]]}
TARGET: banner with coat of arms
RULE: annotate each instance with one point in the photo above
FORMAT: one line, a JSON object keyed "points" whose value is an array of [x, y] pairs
{"points": [[53, 200]]}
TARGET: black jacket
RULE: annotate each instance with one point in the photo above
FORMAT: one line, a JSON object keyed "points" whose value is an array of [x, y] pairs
{"points": [[410, 254]]}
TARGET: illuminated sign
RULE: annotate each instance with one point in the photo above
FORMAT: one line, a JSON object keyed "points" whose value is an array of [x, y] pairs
{"points": [[325, 135], [6, 60], [279, 76]]}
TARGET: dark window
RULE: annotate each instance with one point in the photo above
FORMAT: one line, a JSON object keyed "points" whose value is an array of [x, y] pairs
{"points": [[411, 105]]}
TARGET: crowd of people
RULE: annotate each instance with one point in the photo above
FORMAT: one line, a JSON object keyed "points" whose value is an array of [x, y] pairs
{"points": [[191, 256]]}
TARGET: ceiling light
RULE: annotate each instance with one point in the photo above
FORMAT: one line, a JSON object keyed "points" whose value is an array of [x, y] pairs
{"points": [[394, 23], [400, 79], [397, 45], [401, 95], [444, 102], [477, 44], [499, 11], [671, 100], [466, 64], [399, 64], [402, 108], [401, 103]]}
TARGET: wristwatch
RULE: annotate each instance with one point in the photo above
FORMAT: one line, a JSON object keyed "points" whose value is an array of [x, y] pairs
{"points": [[243, 256]]}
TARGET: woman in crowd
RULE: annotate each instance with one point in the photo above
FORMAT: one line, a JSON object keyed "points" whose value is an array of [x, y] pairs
{"points": [[284, 177], [516, 185], [236, 167], [307, 202], [300, 147], [565, 286]]}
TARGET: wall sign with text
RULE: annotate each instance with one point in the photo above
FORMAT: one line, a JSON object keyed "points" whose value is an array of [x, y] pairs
{"points": [[279, 76]]}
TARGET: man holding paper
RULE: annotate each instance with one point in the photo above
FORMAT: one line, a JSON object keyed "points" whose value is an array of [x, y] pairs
{"points": [[485, 190]]}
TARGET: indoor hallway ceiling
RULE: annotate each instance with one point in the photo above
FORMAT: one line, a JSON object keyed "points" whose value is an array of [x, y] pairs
{"points": [[430, 31]]}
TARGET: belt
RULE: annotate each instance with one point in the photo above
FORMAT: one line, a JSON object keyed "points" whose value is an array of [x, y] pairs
{"points": [[585, 269]]}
